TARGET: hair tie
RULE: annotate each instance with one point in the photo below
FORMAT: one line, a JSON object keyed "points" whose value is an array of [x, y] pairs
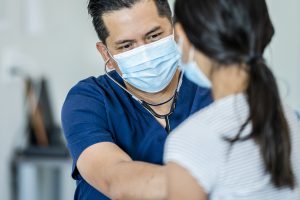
{"points": [[255, 59]]}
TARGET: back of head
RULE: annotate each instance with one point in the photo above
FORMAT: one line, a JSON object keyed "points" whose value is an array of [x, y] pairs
{"points": [[237, 32], [228, 31], [97, 8]]}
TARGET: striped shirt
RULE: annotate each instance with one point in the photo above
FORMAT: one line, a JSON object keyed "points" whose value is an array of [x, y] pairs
{"points": [[225, 173]]}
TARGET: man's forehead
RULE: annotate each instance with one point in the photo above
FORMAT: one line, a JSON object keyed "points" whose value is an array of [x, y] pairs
{"points": [[139, 19]]}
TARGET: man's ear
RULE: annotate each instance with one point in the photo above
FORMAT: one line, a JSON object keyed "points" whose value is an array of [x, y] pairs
{"points": [[105, 55]]}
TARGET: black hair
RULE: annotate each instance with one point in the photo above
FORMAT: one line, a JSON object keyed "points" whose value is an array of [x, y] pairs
{"points": [[237, 32], [97, 8]]}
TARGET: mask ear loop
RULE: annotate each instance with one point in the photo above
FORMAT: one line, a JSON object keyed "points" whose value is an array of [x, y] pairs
{"points": [[191, 54], [180, 44], [116, 82], [180, 49]]}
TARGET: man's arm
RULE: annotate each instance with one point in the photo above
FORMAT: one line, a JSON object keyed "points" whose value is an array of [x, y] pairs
{"points": [[181, 185], [111, 171]]}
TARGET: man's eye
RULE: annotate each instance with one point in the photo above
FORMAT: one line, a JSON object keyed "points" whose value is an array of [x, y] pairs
{"points": [[155, 36], [125, 47]]}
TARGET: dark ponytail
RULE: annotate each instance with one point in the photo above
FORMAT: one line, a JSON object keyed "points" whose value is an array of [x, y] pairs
{"points": [[237, 32], [270, 128]]}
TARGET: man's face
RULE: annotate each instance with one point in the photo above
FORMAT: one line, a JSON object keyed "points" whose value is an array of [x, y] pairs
{"points": [[133, 27]]}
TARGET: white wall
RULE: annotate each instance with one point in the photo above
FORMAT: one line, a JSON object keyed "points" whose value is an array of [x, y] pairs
{"points": [[284, 52], [61, 45]]}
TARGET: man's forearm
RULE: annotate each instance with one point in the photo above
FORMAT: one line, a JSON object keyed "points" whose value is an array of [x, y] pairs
{"points": [[181, 184], [137, 181]]}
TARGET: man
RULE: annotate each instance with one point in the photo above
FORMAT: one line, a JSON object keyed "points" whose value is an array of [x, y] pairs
{"points": [[116, 125]]}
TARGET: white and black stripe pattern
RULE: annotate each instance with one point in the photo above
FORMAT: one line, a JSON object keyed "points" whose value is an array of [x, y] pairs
{"points": [[226, 173]]}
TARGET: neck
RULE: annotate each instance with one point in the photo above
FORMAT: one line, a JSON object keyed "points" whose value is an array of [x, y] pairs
{"points": [[159, 97], [228, 81]]}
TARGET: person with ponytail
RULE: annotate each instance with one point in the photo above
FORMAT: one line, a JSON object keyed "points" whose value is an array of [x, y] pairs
{"points": [[245, 145]]}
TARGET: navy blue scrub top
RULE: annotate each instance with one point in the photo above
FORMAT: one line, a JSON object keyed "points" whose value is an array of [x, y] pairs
{"points": [[98, 110]]}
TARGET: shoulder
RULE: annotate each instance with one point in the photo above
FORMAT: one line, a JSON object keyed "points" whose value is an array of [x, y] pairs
{"points": [[195, 134], [91, 84], [88, 95], [86, 86], [84, 111], [93, 87], [213, 122], [196, 129]]}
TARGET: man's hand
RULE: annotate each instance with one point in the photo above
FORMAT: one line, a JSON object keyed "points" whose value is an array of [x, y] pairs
{"points": [[111, 171]]}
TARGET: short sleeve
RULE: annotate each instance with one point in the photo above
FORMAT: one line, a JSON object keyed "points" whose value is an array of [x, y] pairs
{"points": [[197, 149], [84, 119]]}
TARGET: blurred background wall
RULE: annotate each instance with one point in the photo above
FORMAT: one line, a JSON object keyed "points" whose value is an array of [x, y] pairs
{"points": [[47, 38], [56, 39]]}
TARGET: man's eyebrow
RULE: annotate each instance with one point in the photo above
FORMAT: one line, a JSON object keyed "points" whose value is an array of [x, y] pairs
{"points": [[132, 41], [123, 42], [153, 30]]}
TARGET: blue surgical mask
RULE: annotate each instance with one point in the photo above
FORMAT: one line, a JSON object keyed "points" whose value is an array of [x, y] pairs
{"points": [[150, 68], [191, 70]]}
